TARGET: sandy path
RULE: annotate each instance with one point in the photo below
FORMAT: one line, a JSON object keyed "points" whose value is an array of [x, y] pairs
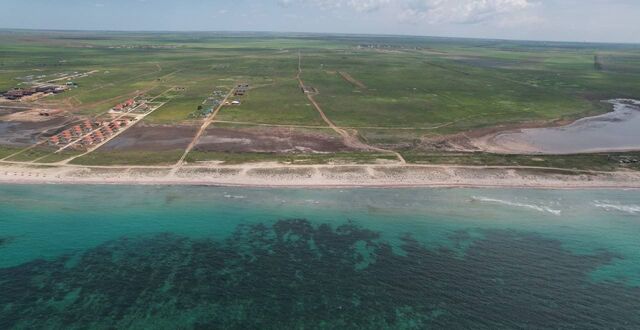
{"points": [[201, 131]]}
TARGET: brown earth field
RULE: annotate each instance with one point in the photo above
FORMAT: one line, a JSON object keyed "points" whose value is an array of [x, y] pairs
{"points": [[145, 137], [8, 110], [269, 139], [26, 133]]}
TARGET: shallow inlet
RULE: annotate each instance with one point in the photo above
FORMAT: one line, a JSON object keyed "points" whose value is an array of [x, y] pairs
{"points": [[618, 130]]}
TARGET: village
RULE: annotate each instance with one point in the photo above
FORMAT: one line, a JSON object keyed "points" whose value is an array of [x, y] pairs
{"points": [[82, 134], [39, 87], [217, 98], [34, 93]]}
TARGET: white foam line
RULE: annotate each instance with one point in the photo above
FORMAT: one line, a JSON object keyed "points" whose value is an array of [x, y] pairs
{"points": [[613, 206], [235, 197], [516, 204]]}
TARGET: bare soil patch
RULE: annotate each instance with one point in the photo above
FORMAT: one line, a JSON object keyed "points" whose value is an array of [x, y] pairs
{"points": [[346, 76], [26, 133], [269, 139], [146, 137]]}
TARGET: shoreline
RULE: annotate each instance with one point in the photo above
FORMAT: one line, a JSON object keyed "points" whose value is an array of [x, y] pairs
{"points": [[320, 187], [272, 176], [511, 141]]}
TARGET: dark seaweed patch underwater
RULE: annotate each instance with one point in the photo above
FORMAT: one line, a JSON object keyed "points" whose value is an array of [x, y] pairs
{"points": [[297, 275], [5, 241]]}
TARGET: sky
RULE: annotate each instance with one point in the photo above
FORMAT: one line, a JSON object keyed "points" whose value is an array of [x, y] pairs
{"points": [[553, 20]]}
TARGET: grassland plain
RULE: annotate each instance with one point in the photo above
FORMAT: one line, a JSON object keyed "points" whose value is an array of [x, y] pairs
{"points": [[390, 91]]}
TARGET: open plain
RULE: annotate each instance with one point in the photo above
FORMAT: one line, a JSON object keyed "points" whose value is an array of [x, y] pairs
{"points": [[205, 100]]}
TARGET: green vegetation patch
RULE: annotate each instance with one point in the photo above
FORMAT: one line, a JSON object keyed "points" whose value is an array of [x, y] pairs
{"points": [[587, 162], [295, 159], [31, 154], [58, 157], [417, 86], [281, 102], [129, 158], [6, 151]]}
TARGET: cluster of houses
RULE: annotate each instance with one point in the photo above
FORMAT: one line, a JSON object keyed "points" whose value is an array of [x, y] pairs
{"points": [[19, 93], [89, 133], [125, 105], [71, 134], [241, 89]]}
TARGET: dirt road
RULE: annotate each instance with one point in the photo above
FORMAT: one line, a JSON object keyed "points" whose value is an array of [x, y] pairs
{"points": [[201, 131], [349, 139]]}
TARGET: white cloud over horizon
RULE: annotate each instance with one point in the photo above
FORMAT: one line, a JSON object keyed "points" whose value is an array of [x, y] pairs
{"points": [[428, 11], [562, 20], [462, 11]]}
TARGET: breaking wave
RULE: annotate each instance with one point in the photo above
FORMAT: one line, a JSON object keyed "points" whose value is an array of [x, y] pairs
{"points": [[539, 208], [234, 196], [613, 206]]}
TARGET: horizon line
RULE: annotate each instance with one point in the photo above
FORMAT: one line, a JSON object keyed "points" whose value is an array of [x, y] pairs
{"points": [[323, 33]]}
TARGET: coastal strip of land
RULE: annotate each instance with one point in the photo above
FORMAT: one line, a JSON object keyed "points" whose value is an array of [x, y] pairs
{"points": [[321, 176]]}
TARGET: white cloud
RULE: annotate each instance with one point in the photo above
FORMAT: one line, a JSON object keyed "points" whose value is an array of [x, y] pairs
{"points": [[461, 11], [357, 5], [433, 11]]}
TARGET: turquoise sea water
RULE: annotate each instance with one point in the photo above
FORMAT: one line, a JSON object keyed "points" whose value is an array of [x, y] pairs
{"points": [[202, 257]]}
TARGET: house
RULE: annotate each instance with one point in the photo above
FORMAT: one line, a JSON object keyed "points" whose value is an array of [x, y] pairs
{"points": [[241, 89], [107, 130], [47, 113], [66, 136], [98, 136], [77, 131], [15, 94], [54, 140], [309, 90]]}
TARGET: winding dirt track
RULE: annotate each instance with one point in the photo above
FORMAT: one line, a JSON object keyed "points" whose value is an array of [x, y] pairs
{"points": [[348, 139], [201, 131]]}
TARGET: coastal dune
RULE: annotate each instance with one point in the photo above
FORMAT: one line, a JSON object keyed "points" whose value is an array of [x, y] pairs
{"points": [[278, 175]]}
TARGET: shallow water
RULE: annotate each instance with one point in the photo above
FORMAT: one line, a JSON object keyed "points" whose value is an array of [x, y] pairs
{"points": [[618, 130], [202, 257]]}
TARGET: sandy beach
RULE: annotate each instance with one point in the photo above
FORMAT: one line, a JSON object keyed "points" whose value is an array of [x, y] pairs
{"points": [[319, 176]]}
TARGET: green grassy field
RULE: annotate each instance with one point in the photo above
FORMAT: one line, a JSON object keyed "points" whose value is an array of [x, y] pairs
{"points": [[130, 158], [278, 103], [579, 162], [403, 89]]}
